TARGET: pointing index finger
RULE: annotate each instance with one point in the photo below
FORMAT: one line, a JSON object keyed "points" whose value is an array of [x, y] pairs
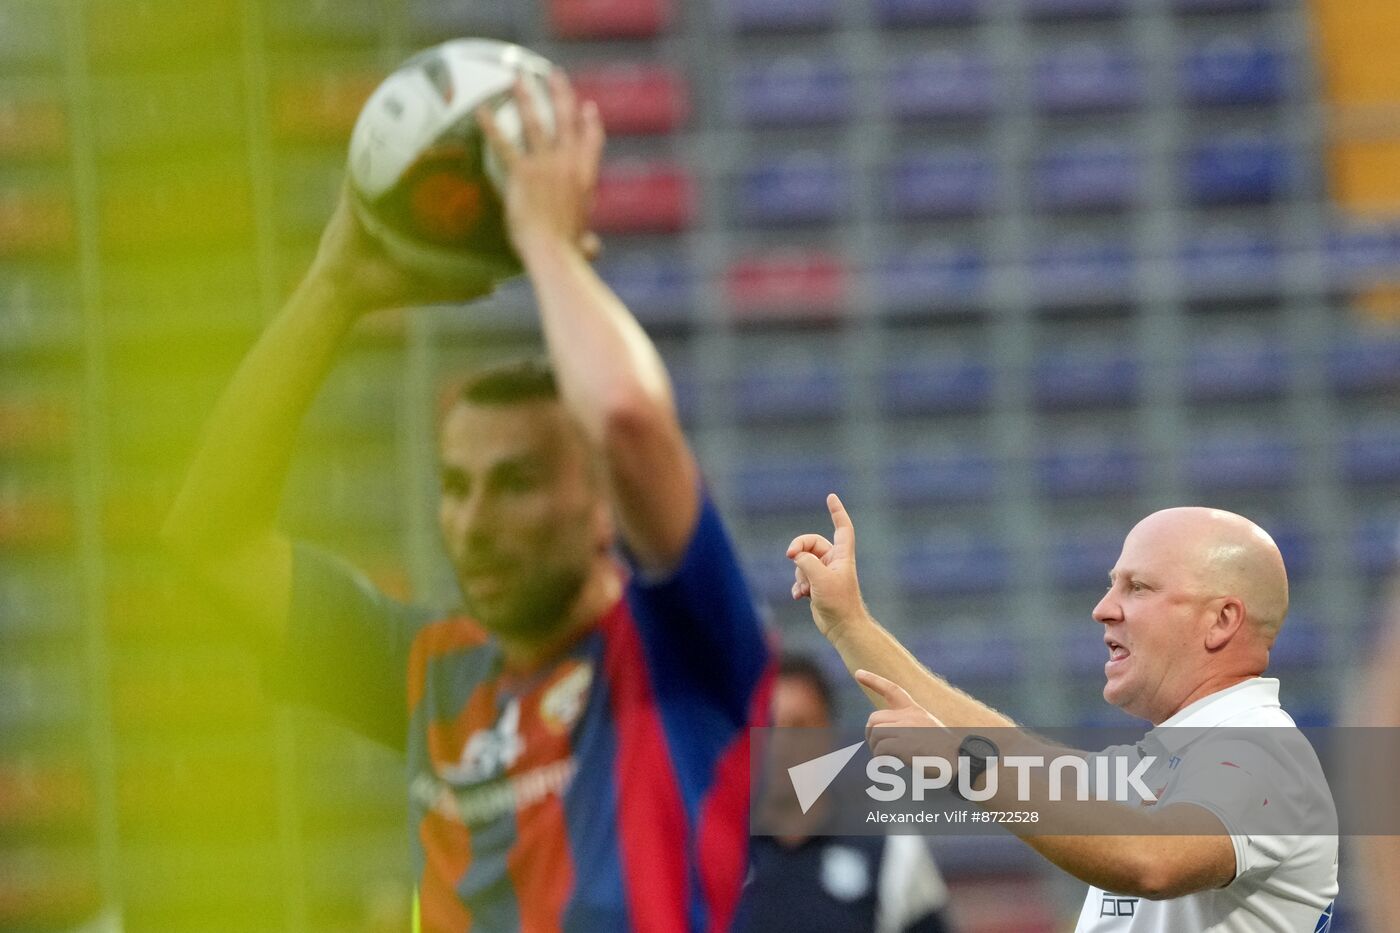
{"points": [[895, 696], [841, 521]]}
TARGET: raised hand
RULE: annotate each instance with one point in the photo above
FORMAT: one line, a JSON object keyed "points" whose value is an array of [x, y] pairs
{"points": [[825, 571], [359, 276], [550, 179]]}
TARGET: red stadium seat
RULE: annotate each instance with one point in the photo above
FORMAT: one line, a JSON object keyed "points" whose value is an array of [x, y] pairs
{"points": [[35, 221], [608, 19], [321, 106], [635, 98], [788, 284], [635, 197], [32, 125]]}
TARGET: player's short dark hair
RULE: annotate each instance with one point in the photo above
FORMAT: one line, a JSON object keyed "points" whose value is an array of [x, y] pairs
{"points": [[803, 667], [524, 380]]}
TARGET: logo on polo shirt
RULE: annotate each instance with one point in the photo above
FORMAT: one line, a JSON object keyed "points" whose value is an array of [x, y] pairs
{"points": [[1115, 906]]}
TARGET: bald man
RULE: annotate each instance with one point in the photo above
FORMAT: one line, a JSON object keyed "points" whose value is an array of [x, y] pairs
{"points": [[1193, 606]]}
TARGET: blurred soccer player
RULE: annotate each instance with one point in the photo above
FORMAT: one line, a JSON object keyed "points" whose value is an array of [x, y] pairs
{"points": [[576, 735]]}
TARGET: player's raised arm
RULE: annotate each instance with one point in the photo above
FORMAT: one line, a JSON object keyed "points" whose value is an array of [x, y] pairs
{"points": [[610, 375], [223, 523]]}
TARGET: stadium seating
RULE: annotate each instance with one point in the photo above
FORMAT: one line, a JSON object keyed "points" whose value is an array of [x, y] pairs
{"points": [[1098, 174], [1237, 368], [940, 384], [926, 277], [963, 475], [801, 187], [1086, 76], [1238, 170], [1088, 466], [941, 183], [1230, 459], [781, 15], [1234, 69], [943, 84], [792, 91]]}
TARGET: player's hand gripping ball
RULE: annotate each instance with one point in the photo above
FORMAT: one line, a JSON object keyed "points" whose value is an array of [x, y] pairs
{"points": [[422, 180]]}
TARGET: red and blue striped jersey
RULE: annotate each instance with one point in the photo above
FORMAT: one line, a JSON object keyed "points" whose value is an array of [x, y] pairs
{"points": [[607, 791]]}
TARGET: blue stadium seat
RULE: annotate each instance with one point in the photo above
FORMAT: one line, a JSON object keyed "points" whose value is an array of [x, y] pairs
{"points": [[1088, 375], [1087, 76], [805, 187], [1223, 262], [1233, 460], [687, 387], [1363, 255], [963, 658], [770, 575], [1365, 363], [946, 84], [1245, 169], [1088, 467], [1082, 557], [792, 91], [657, 287], [782, 392], [936, 385], [781, 15], [923, 277], [956, 476], [779, 485], [1074, 9], [1099, 174], [1237, 368], [1093, 269], [1295, 543], [1301, 645], [1371, 452], [938, 184], [1376, 542], [1221, 6], [927, 12], [947, 568], [1234, 69]]}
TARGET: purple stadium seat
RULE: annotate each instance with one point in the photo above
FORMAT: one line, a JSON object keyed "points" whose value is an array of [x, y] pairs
{"points": [[927, 12], [1085, 376], [937, 385], [1365, 362], [940, 184], [1221, 6], [776, 485], [1376, 542], [1301, 645], [777, 393], [1087, 76], [1083, 557], [806, 187], [964, 658], [1082, 270], [1371, 452], [1360, 256], [1098, 174], [1247, 169], [1074, 9], [1237, 460], [957, 476], [1295, 543], [687, 387], [931, 275], [793, 91], [1229, 262], [657, 287], [781, 15], [1237, 368], [1234, 69], [945, 84], [1088, 467], [945, 568]]}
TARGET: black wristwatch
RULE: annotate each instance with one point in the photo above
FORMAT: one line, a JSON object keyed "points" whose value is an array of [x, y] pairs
{"points": [[976, 749]]}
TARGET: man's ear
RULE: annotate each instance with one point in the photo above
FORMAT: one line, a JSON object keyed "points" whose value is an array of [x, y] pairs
{"points": [[1228, 621]]}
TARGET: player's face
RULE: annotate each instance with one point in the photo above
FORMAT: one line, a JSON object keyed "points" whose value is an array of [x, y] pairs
{"points": [[1153, 616], [798, 705], [521, 513]]}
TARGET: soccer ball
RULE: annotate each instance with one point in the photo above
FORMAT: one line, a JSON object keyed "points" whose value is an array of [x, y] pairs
{"points": [[423, 181]]}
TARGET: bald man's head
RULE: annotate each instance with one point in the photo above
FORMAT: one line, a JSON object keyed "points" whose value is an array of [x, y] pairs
{"points": [[1224, 554]]}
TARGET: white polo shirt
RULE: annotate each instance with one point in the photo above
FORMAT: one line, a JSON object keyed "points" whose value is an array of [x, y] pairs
{"points": [[1282, 882]]}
